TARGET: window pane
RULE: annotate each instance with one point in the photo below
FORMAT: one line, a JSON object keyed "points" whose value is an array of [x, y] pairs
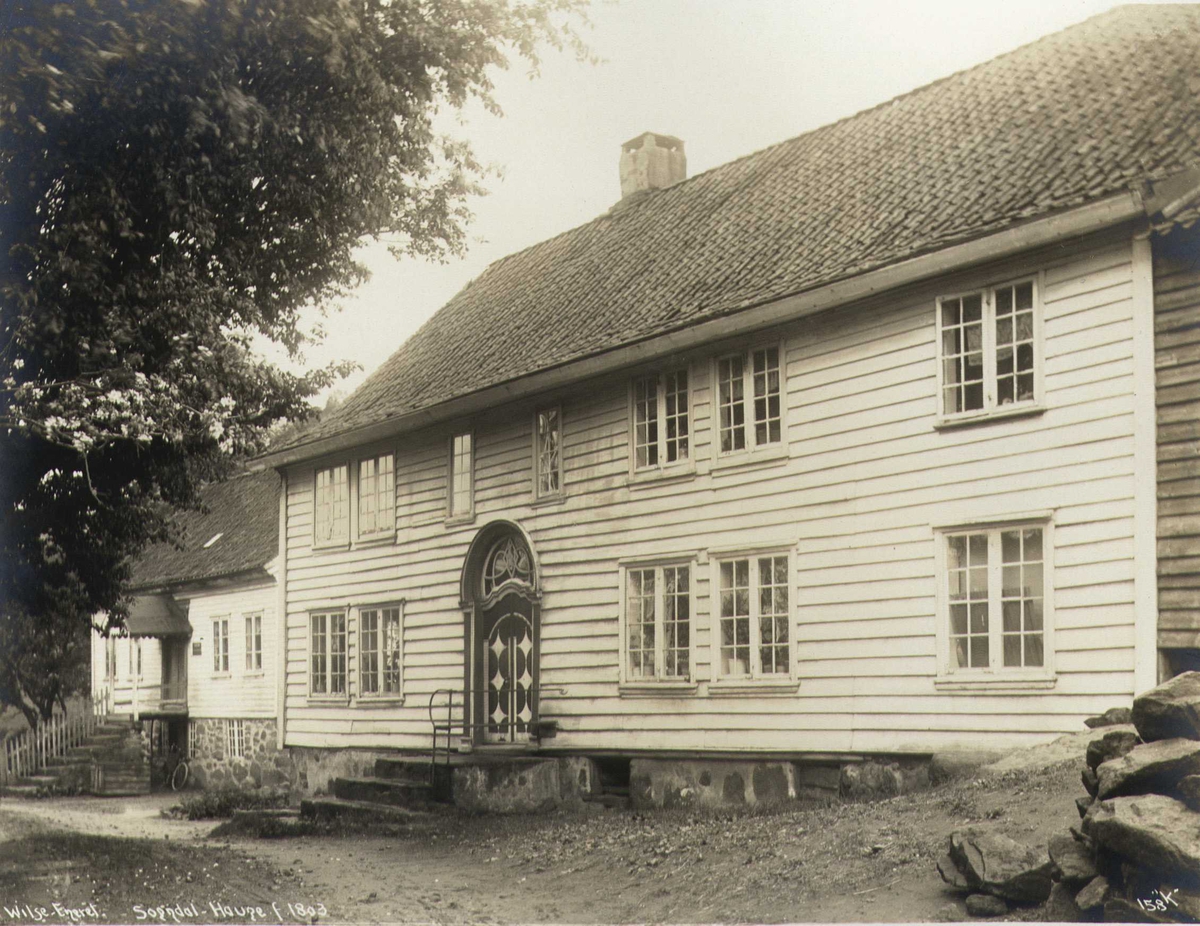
{"points": [[549, 457], [1012, 616], [958, 619], [1032, 539], [676, 402], [978, 548], [645, 419], [1033, 650], [979, 618], [640, 604], [730, 399], [766, 396], [1012, 650], [979, 652], [461, 474]]}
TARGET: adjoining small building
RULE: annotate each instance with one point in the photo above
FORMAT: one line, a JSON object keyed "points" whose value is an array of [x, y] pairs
{"points": [[197, 664]]}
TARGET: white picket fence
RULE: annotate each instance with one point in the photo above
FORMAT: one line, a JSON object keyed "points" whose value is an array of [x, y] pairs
{"points": [[26, 753]]}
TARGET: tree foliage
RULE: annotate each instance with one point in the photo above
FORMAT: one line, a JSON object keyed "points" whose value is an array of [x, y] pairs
{"points": [[177, 178]]}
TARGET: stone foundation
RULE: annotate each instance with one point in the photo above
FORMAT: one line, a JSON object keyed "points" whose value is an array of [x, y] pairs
{"points": [[525, 785], [732, 782], [263, 765], [316, 768]]}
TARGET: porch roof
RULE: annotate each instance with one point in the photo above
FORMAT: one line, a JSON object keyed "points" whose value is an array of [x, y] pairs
{"points": [[157, 616]]}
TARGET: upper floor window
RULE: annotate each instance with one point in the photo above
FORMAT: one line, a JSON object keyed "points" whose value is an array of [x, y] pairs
{"points": [[749, 400], [379, 652], [253, 642], [754, 622], [658, 623], [462, 476], [221, 644], [376, 495], [547, 452], [327, 653], [661, 420], [331, 515], [995, 603], [988, 349]]}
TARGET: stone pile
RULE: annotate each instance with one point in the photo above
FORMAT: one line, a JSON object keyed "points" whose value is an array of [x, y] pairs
{"points": [[1135, 855]]}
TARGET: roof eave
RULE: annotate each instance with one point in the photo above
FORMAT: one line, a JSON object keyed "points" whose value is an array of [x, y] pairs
{"points": [[1082, 220]]}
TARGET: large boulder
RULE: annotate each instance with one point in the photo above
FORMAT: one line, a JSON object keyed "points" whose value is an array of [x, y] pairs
{"points": [[1112, 745], [1156, 766], [951, 875], [993, 863], [1092, 897], [986, 905], [1159, 832], [1170, 710], [1061, 906], [1189, 789], [1110, 718], [1073, 863]]}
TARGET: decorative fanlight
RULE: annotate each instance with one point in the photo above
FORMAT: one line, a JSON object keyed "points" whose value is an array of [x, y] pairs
{"points": [[506, 561]]}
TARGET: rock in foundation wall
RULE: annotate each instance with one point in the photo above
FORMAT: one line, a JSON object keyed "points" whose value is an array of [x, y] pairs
{"points": [[262, 765], [525, 786]]}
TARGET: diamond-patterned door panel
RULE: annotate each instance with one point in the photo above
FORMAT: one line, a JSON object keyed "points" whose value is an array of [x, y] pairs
{"points": [[510, 695]]}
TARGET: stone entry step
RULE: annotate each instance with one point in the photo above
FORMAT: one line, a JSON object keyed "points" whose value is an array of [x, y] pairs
{"points": [[332, 808], [394, 792]]}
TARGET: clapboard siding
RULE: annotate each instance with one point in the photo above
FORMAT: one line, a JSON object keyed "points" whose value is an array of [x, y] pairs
{"points": [[1177, 373], [241, 692], [865, 477]]}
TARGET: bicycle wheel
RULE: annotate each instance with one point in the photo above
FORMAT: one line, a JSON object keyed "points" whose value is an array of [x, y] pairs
{"points": [[179, 777]]}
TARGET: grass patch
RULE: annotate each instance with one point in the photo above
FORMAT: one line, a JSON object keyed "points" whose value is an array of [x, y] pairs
{"points": [[219, 804]]}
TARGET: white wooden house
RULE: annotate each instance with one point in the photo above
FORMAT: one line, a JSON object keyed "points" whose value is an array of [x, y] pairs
{"points": [[195, 663], [846, 447]]}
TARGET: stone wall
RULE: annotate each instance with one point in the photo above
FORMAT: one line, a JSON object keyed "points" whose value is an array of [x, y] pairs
{"points": [[263, 764]]}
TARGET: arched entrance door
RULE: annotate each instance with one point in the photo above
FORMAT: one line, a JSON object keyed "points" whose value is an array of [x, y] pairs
{"points": [[502, 598]]}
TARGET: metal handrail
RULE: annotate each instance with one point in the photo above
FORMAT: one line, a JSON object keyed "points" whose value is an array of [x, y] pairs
{"points": [[448, 725]]}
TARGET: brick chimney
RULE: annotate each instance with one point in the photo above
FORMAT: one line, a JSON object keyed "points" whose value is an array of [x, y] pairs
{"points": [[651, 162]]}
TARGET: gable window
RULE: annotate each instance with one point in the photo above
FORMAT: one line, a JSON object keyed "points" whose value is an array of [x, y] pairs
{"points": [[235, 739], [221, 645], [754, 617], [379, 652], [376, 495], [749, 400], [254, 642], [461, 491], [547, 452], [658, 623], [331, 515], [661, 420], [989, 350], [995, 601], [327, 653]]}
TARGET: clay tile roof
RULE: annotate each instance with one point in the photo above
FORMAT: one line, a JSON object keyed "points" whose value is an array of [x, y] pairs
{"points": [[243, 510], [1072, 118]]}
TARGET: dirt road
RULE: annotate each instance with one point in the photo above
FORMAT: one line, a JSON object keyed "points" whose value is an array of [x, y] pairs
{"points": [[842, 863]]}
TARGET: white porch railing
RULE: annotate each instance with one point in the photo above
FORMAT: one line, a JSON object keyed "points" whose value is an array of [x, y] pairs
{"points": [[26, 753]]}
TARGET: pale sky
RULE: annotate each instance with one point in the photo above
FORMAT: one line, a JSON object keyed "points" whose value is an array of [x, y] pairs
{"points": [[727, 76]]}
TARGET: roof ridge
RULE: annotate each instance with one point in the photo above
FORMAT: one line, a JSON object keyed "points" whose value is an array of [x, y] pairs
{"points": [[827, 126]]}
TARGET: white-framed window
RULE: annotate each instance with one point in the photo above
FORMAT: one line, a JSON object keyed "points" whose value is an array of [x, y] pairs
{"points": [[377, 496], [749, 400], [657, 636], [754, 607], [235, 739], [460, 491], [254, 642], [220, 645], [661, 411], [995, 602], [989, 350], [379, 651], [547, 452], [327, 647], [331, 505]]}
